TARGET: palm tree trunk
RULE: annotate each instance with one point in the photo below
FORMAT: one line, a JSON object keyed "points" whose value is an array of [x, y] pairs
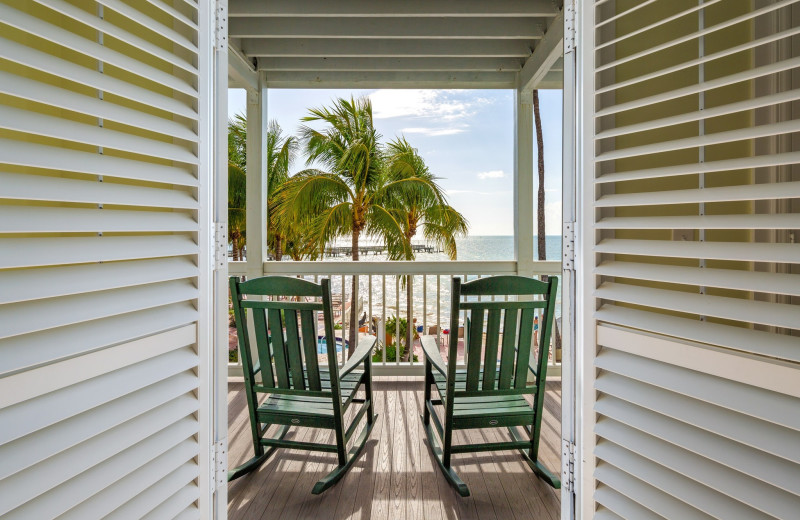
{"points": [[540, 232], [353, 300], [235, 242], [278, 247], [409, 320]]}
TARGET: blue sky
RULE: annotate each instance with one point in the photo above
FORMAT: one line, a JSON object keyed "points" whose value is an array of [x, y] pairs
{"points": [[465, 136]]}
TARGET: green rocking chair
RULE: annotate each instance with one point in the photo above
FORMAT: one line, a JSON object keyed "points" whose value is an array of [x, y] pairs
{"points": [[301, 392], [491, 391]]}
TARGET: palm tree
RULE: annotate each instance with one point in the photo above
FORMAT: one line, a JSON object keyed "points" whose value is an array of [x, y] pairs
{"points": [[423, 205], [281, 152], [540, 233], [348, 198], [237, 183]]}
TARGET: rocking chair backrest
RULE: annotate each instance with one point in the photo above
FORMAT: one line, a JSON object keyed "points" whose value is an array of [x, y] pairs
{"points": [[509, 331], [286, 334]]}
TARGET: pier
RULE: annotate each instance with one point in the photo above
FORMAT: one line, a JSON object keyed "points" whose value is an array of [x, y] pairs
{"points": [[376, 250]]}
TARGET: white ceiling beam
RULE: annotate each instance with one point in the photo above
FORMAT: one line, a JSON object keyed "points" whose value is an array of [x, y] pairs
{"points": [[328, 48], [241, 73], [391, 64], [404, 8], [381, 28], [397, 79], [552, 80], [544, 56]]}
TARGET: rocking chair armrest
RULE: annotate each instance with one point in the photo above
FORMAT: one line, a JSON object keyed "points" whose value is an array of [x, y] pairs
{"points": [[432, 353], [364, 349]]}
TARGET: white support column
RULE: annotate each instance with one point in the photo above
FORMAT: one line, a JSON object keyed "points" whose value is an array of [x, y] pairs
{"points": [[523, 182], [256, 180]]}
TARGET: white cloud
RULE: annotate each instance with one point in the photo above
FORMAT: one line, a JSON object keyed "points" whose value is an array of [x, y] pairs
{"points": [[433, 132], [445, 105], [493, 174]]}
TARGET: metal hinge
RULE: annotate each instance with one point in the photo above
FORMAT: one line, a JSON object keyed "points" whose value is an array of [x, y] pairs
{"points": [[221, 31], [219, 464], [568, 247], [568, 465], [220, 245], [569, 27]]}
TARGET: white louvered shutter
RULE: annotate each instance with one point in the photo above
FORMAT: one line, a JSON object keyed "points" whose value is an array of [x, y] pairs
{"points": [[103, 408], [689, 158]]}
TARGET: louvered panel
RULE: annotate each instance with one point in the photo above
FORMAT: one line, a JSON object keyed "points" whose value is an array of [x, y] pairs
{"points": [[117, 32], [29, 57], [778, 283], [648, 501], [49, 409], [162, 500], [189, 513], [54, 189], [176, 14], [148, 23], [38, 27], [35, 316], [35, 252], [777, 314], [103, 302], [19, 153], [77, 279], [21, 219], [747, 460], [32, 350], [32, 90], [744, 340], [55, 127], [178, 504], [689, 153]]}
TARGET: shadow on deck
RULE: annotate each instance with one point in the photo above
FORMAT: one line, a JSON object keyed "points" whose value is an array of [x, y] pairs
{"points": [[396, 476]]}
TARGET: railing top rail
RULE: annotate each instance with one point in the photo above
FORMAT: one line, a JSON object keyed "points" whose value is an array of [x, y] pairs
{"points": [[458, 267]]}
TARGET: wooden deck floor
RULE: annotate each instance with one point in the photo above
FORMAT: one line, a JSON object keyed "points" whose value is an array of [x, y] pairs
{"points": [[396, 476]]}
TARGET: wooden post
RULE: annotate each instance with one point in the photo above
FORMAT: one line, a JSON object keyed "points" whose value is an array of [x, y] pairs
{"points": [[523, 182]]}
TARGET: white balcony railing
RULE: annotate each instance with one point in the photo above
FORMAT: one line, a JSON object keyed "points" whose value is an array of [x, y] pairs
{"points": [[383, 295]]}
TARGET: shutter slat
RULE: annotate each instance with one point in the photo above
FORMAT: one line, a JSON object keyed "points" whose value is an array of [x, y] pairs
{"points": [[761, 252], [170, 489], [118, 33], [722, 110], [149, 23], [68, 70], [737, 486], [51, 346], [744, 459], [705, 499], [777, 283], [174, 13], [743, 310], [32, 252], [759, 161], [32, 90], [50, 126], [20, 153], [177, 504], [776, 221], [41, 29], [19, 186], [38, 219], [778, 190], [27, 317], [62, 281], [49, 409], [745, 340], [734, 401], [650, 501], [26, 485]]}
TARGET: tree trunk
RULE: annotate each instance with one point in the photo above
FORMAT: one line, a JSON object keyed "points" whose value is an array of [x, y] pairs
{"points": [[278, 248], [540, 224], [409, 320], [353, 300], [235, 243]]}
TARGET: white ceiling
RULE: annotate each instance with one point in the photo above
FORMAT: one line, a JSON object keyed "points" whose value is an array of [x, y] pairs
{"points": [[399, 44]]}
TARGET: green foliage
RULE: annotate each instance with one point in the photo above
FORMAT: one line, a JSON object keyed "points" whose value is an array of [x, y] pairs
{"points": [[337, 326], [391, 330], [391, 353]]}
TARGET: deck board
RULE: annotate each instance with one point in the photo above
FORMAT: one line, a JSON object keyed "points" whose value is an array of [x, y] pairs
{"points": [[396, 476]]}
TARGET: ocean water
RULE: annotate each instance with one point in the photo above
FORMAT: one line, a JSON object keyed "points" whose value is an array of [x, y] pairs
{"points": [[377, 292]]}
